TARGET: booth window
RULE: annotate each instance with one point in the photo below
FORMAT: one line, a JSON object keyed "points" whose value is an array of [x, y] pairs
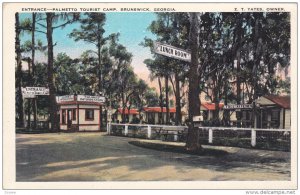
{"points": [[89, 114], [73, 114], [63, 117]]}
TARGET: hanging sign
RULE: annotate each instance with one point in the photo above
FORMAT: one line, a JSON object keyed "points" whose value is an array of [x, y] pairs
{"points": [[237, 106], [172, 52], [35, 91], [88, 98]]}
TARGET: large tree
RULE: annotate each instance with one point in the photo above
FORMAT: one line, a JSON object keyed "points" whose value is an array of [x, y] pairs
{"points": [[91, 31], [192, 142], [19, 75], [51, 19], [172, 29]]}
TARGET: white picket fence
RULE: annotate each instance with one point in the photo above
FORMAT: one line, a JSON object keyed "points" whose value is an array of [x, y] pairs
{"points": [[179, 130]]}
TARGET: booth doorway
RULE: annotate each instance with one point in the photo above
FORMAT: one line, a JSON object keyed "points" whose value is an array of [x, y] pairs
{"points": [[69, 119]]}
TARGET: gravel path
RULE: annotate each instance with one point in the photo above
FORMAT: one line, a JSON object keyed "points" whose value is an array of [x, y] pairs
{"points": [[97, 157]]}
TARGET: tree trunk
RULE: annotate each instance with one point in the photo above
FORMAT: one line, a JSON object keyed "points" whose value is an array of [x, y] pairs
{"points": [[28, 113], [192, 143], [257, 58], [29, 100], [123, 108], [216, 102], [216, 90], [167, 99], [226, 113], [238, 85], [52, 89], [34, 103], [178, 105], [100, 79], [19, 97], [161, 120]]}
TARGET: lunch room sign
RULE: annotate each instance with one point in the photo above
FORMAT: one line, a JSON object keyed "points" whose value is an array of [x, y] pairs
{"points": [[172, 52]]}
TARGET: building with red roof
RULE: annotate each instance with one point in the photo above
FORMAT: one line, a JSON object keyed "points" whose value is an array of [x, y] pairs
{"points": [[207, 109], [148, 114], [151, 114], [274, 111]]}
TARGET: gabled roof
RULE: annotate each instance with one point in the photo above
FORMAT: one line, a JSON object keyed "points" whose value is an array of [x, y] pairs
{"points": [[211, 106], [158, 109], [282, 101]]}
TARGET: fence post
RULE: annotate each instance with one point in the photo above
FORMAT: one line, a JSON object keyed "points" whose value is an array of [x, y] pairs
{"points": [[126, 130], [210, 136], [253, 138], [108, 128], [176, 136], [149, 132]]}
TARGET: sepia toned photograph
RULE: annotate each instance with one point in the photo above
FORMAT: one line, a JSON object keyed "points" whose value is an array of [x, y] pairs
{"points": [[116, 93]]}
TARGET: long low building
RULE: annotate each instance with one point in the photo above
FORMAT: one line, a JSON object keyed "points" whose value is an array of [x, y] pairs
{"points": [[272, 111], [147, 115]]}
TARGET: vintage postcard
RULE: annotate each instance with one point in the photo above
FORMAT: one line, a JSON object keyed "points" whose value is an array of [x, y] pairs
{"points": [[150, 96]]}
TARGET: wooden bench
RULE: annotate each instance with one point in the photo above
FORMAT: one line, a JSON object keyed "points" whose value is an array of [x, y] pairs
{"points": [[177, 132]]}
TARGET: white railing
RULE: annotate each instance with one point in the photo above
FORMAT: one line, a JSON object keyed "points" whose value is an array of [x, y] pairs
{"points": [[174, 130], [253, 132]]}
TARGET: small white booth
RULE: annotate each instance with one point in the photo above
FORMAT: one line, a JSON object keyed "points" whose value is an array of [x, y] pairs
{"points": [[79, 112]]}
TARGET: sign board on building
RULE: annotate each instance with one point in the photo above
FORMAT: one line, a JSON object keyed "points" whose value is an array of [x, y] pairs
{"points": [[35, 91], [65, 98], [172, 52], [237, 106], [88, 98]]}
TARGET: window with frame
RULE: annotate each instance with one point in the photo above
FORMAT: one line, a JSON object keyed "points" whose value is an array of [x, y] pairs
{"points": [[89, 114], [275, 118]]}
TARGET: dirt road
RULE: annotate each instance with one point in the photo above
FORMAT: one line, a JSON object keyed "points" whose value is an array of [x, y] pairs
{"points": [[97, 157]]}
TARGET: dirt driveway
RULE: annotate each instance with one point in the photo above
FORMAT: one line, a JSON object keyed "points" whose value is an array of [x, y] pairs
{"points": [[97, 157]]}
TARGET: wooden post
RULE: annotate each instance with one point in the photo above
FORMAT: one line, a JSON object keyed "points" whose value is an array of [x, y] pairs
{"points": [[253, 138], [78, 122], [126, 130], [108, 128], [149, 132], [176, 136], [210, 136]]}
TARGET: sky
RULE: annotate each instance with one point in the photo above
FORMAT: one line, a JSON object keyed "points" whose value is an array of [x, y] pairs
{"points": [[131, 26]]}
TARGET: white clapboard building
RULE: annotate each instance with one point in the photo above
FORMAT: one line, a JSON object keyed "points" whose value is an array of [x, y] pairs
{"points": [[79, 112]]}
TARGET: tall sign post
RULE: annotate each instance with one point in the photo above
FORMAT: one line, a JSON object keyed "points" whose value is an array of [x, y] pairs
{"points": [[192, 143], [31, 93]]}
